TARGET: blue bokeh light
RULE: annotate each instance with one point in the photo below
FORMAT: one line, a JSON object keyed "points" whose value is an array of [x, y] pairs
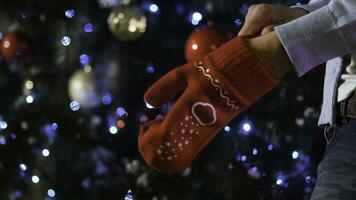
{"points": [[51, 193], [195, 18], [2, 140], [74, 106], [84, 59], [17, 194], [150, 69], [246, 128], [129, 195], [254, 151], [86, 183], [69, 13], [22, 174], [88, 28], [23, 167], [153, 8], [194, 22], [270, 147], [307, 179], [143, 118], [107, 99], [180, 9], [238, 22], [66, 40], [50, 130], [255, 169], [121, 111], [243, 10], [54, 126], [279, 181]]}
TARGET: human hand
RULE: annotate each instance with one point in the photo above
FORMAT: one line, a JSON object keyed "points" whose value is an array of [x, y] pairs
{"points": [[262, 18], [269, 50]]}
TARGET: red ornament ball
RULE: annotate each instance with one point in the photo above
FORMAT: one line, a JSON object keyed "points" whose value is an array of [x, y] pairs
{"points": [[204, 40], [14, 46]]}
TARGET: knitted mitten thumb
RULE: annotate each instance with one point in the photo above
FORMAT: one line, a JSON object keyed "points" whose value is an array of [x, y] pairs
{"points": [[215, 90]]}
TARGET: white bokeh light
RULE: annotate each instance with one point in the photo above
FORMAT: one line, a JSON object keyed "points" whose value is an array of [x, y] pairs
{"points": [[227, 128], [197, 16], [149, 106], [45, 152], [279, 181], [295, 154], [23, 167], [247, 127], [3, 125], [51, 193], [153, 8], [66, 40], [113, 130], [29, 99], [35, 179]]}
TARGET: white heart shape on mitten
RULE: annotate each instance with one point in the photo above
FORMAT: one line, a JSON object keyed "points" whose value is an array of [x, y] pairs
{"points": [[211, 107]]}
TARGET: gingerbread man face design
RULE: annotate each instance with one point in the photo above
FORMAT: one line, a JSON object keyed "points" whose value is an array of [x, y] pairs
{"points": [[204, 113]]}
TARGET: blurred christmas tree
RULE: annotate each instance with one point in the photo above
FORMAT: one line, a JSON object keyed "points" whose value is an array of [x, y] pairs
{"points": [[72, 76]]}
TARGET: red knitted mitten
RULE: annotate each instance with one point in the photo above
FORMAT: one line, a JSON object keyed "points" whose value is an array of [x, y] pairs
{"points": [[216, 89]]}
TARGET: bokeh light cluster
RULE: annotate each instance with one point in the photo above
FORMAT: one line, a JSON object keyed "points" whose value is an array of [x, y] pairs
{"points": [[72, 110]]}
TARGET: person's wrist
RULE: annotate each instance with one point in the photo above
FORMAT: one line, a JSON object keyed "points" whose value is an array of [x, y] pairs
{"points": [[270, 51]]}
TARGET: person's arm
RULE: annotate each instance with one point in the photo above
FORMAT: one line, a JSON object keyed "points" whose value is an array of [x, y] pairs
{"points": [[261, 20], [326, 33]]}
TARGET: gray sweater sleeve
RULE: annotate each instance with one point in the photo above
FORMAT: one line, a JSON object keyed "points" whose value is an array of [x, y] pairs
{"points": [[312, 5], [323, 34]]}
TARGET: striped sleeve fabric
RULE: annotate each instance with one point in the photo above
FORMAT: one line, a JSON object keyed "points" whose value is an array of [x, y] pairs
{"points": [[323, 34], [312, 5]]}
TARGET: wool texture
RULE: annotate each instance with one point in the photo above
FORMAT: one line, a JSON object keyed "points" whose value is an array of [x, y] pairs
{"points": [[214, 90]]}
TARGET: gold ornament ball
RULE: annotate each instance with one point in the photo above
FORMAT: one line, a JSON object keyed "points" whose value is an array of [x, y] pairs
{"points": [[127, 23], [83, 89]]}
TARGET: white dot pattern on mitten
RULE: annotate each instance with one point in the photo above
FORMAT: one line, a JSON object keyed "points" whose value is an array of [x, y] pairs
{"points": [[168, 150]]}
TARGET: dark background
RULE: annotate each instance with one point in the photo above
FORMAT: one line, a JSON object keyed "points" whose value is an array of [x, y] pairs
{"points": [[86, 161]]}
